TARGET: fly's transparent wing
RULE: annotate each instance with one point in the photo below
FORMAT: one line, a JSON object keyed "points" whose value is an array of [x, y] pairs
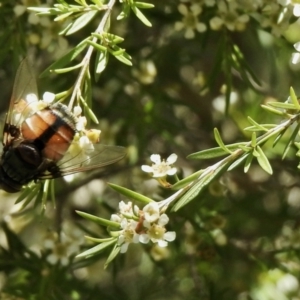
{"points": [[100, 156], [23, 100]]}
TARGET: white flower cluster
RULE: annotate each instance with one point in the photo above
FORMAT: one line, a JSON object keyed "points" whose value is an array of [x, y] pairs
{"points": [[234, 15], [142, 225], [82, 146], [61, 248]]}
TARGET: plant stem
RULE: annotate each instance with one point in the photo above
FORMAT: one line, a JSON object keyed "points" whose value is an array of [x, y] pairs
{"points": [[86, 60]]}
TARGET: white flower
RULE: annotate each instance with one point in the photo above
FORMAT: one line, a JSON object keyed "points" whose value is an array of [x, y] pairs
{"points": [[155, 227], [128, 234], [93, 135], [157, 234], [161, 168], [81, 123], [125, 208], [77, 110], [151, 212], [146, 73], [295, 59], [48, 97], [295, 4], [229, 17], [61, 249], [190, 20]]}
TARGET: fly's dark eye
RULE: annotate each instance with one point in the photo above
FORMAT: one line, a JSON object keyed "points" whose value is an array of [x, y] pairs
{"points": [[30, 154]]}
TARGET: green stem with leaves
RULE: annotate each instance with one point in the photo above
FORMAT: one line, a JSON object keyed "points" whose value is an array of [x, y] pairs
{"points": [[87, 58]]}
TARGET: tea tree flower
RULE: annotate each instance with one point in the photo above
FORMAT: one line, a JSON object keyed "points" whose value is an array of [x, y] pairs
{"points": [[190, 21], [151, 212], [61, 249], [128, 234], [161, 168], [295, 4], [142, 225], [229, 17], [295, 59], [48, 97], [154, 224]]}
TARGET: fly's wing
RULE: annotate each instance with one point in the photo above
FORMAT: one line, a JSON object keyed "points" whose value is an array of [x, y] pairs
{"points": [[100, 156], [23, 98]]}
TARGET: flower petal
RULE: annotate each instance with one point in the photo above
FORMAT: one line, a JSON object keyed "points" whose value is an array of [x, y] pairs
{"points": [[155, 158], [147, 169], [162, 243], [172, 171], [170, 236], [124, 247], [172, 159], [163, 220], [144, 238], [48, 97]]}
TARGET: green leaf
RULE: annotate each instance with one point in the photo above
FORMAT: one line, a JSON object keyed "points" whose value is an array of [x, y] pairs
{"points": [[87, 95], [114, 252], [253, 140], [26, 192], [255, 152], [81, 21], [255, 124], [125, 11], [140, 15], [237, 162], [143, 5], [124, 58], [99, 221], [130, 194], [40, 10], [98, 241], [184, 182], [288, 106], [65, 70], [244, 68], [199, 185], [121, 55], [214, 152], [65, 30], [248, 162], [97, 249], [114, 39], [88, 111], [294, 98], [100, 62], [97, 46], [263, 161], [245, 148], [63, 16], [67, 58], [273, 110], [220, 141], [291, 141], [279, 136], [255, 128]]}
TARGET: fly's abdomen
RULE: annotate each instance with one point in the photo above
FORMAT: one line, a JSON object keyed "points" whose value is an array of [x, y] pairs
{"points": [[51, 130]]}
